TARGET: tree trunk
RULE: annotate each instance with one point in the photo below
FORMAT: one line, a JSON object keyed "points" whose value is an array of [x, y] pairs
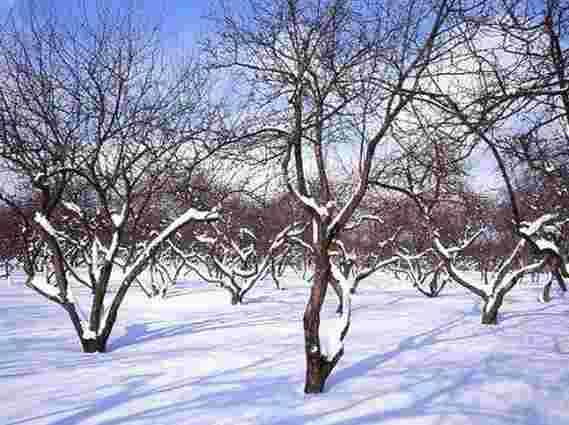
{"points": [[96, 345], [318, 368], [560, 281], [236, 298], [546, 294], [354, 288], [490, 318], [490, 309]]}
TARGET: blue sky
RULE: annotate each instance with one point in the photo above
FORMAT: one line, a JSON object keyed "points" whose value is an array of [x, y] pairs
{"points": [[183, 21], [178, 16], [183, 17]]}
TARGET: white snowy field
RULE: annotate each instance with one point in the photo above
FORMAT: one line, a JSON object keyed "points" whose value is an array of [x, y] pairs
{"points": [[195, 359]]}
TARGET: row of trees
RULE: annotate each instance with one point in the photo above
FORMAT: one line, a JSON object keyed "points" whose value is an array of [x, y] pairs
{"points": [[266, 215], [364, 110]]}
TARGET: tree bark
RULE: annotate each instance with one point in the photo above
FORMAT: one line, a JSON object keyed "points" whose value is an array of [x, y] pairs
{"points": [[91, 345], [95, 345], [546, 295], [490, 309], [560, 281], [318, 368]]}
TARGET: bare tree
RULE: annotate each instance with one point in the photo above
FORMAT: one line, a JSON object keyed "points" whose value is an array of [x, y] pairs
{"points": [[426, 275], [510, 271], [516, 104], [94, 104], [327, 73], [234, 264], [542, 143]]}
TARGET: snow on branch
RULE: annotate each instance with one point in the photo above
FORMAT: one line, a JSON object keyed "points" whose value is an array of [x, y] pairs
{"points": [[448, 255], [205, 239], [41, 285], [190, 215], [310, 202], [466, 242], [361, 220], [545, 245], [540, 232], [361, 273], [333, 331], [529, 229], [119, 219], [74, 208], [42, 220], [245, 231]]}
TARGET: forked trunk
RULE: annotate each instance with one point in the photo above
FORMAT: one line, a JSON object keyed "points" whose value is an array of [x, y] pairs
{"points": [[236, 298], [490, 317], [490, 309], [98, 344], [318, 367], [94, 345]]}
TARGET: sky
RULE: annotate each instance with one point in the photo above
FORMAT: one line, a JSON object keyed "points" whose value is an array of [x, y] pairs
{"points": [[184, 22], [183, 18], [179, 16]]}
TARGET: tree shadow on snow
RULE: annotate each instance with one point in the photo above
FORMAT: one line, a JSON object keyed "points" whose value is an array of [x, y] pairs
{"points": [[138, 333], [454, 397], [415, 342], [228, 388]]}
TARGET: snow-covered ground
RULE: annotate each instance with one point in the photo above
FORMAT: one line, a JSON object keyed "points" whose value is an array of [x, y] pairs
{"points": [[195, 359]]}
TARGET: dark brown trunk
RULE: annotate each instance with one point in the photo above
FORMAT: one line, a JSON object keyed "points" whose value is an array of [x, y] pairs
{"points": [[89, 345], [490, 310], [98, 345], [560, 281], [317, 367], [489, 318], [113, 312], [99, 292], [546, 295]]}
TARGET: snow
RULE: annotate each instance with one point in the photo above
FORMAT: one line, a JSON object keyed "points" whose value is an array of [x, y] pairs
{"points": [[441, 249], [245, 231], [490, 304], [114, 246], [87, 333], [322, 211], [189, 215], [39, 281], [73, 207], [118, 219], [195, 360], [530, 228], [330, 332], [78, 308], [342, 212], [544, 244], [315, 235], [205, 239], [552, 229], [42, 220]]}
